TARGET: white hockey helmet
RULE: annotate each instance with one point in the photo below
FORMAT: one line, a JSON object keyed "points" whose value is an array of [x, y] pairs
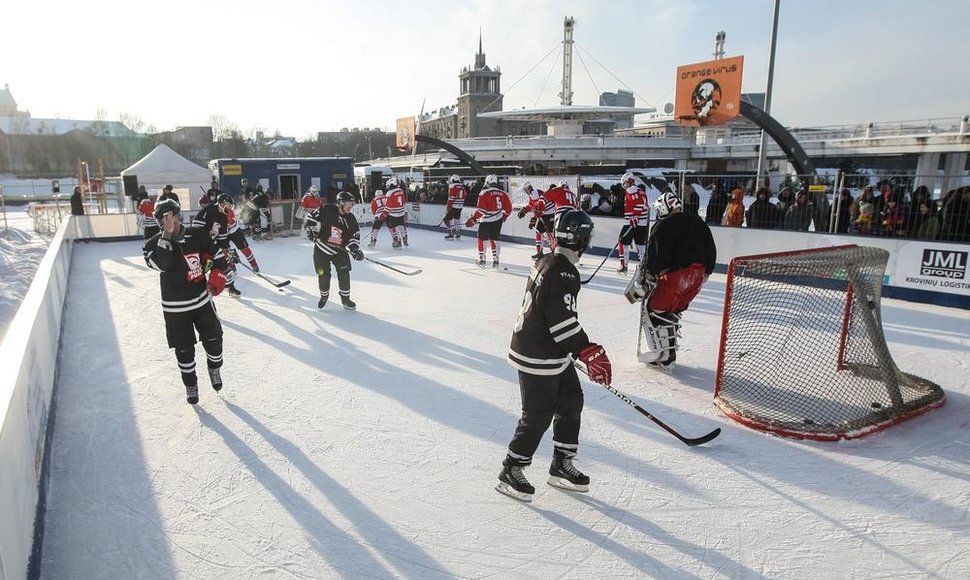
{"points": [[565, 183], [391, 182], [667, 204], [627, 177], [379, 193], [314, 189], [527, 185], [454, 179], [491, 180]]}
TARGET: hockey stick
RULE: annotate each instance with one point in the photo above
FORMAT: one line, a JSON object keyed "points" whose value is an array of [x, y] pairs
{"points": [[689, 441], [622, 233], [277, 284], [389, 267]]}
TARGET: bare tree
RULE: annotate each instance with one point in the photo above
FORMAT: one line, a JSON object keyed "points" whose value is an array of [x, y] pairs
{"points": [[133, 122], [222, 128]]}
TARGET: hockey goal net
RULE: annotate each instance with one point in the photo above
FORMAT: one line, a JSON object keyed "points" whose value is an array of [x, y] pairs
{"points": [[802, 348]]}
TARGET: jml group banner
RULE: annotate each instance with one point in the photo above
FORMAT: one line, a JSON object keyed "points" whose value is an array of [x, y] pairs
{"points": [[709, 93], [933, 266]]}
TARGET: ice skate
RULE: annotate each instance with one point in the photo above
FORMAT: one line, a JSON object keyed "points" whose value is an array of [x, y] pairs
{"points": [[371, 243], [396, 244], [512, 482], [192, 394], [481, 263], [215, 378], [233, 291], [622, 269], [322, 302], [348, 303], [450, 236], [537, 255], [495, 264], [563, 474]]}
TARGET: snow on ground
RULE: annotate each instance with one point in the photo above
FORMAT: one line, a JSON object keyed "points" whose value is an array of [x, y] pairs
{"points": [[367, 444], [21, 250]]}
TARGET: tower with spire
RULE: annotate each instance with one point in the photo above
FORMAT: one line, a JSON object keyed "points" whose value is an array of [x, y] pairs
{"points": [[480, 92]]}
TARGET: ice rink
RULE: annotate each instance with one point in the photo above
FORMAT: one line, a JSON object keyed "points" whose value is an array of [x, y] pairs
{"points": [[366, 444]]}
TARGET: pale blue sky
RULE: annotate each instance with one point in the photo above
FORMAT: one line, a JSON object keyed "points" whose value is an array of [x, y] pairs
{"points": [[303, 66]]}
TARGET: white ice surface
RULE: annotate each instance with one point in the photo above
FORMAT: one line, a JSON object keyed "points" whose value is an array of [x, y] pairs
{"points": [[367, 444]]}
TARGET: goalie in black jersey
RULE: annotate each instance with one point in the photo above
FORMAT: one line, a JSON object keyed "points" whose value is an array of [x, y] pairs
{"points": [[336, 238], [681, 254], [183, 255], [546, 339]]}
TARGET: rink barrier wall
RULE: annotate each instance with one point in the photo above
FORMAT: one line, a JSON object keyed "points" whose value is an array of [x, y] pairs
{"points": [[906, 277], [28, 355]]}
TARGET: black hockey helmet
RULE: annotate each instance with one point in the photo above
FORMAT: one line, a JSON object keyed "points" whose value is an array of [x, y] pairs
{"points": [[574, 230], [166, 206], [225, 198], [343, 196]]}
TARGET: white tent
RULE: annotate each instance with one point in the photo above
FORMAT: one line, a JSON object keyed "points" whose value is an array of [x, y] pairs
{"points": [[163, 166]]}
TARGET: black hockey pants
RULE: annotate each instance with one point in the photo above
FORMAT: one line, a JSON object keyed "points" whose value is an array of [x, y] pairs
{"points": [[556, 399]]}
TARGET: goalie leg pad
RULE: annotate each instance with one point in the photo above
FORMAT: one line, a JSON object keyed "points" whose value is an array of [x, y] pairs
{"points": [[660, 337]]}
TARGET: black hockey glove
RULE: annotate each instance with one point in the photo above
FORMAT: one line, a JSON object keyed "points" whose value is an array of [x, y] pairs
{"points": [[357, 254]]}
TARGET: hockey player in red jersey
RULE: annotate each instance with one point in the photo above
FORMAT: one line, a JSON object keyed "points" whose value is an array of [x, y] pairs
{"points": [[456, 202], [494, 207], [181, 255], [542, 220], [559, 196], [377, 210], [680, 256], [310, 202], [146, 214], [546, 339], [395, 208], [636, 212]]}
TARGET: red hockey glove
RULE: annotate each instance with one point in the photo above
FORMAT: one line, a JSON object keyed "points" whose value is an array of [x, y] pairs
{"points": [[217, 282], [598, 365], [470, 223]]}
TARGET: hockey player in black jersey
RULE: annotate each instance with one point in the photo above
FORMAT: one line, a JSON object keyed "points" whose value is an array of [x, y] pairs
{"points": [[182, 254], [213, 218], [336, 238], [546, 339]]}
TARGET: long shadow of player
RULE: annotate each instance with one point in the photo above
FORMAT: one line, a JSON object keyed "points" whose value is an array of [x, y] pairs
{"points": [[372, 528], [341, 550]]}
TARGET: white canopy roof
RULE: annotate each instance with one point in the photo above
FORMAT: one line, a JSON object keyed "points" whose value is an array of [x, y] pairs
{"points": [[163, 166]]}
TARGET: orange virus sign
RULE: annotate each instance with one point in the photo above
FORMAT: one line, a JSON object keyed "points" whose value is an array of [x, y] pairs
{"points": [[405, 133], [709, 93]]}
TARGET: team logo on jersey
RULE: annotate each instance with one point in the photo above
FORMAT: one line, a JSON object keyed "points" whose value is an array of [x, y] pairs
{"points": [[194, 263], [336, 236]]}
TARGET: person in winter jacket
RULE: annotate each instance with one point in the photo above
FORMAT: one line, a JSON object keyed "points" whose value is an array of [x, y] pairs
{"points": [[762, 213], [716, 205], [734, 213], [799, 216]]}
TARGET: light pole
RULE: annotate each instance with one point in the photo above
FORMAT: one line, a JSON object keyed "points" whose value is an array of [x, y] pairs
{"points": [[771, 75]]}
